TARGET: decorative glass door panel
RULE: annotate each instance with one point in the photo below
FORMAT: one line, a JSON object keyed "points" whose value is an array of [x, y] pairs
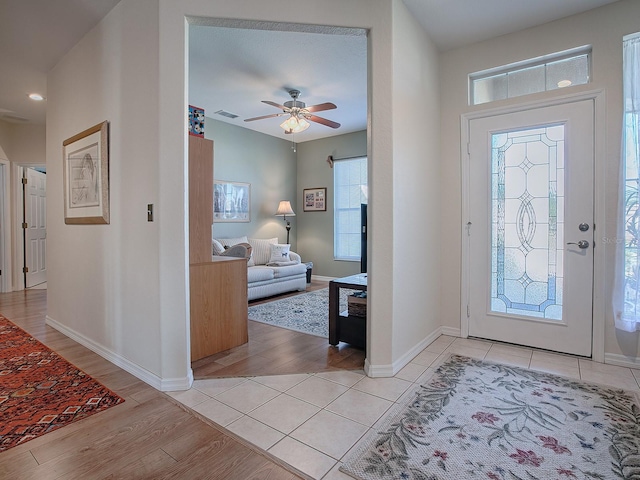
{"points": [[527, 174], [531, 229]]}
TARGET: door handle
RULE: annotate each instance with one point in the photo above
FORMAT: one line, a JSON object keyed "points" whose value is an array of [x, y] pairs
{"points": [[581, 244]]}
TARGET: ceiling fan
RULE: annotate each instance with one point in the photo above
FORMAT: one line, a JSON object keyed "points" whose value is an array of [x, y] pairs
{"points": [[298, 114]]}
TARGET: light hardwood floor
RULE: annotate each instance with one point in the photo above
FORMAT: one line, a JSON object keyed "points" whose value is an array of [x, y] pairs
{"points": [[278, 351], [147, 437]]}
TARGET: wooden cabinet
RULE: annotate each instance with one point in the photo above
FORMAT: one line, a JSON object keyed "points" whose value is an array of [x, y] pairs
{"points": [[218, 306], [219, 310]]}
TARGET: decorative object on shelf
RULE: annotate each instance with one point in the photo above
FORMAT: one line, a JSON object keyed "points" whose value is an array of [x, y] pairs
{"points": [[231, 201], [86, 176], [357, 304], [196, 121], [285, 209], [315, 199]]}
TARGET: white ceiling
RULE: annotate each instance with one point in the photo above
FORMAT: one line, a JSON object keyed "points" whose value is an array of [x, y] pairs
{"points": [[235, 68]]}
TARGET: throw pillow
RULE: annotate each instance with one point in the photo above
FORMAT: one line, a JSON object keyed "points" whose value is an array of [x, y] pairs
{"points": [[218, 248], [262, 249], [280, 253]]}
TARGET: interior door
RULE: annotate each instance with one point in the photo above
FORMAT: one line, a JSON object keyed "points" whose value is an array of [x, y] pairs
{"points": [[36, 231], [531, 230]]}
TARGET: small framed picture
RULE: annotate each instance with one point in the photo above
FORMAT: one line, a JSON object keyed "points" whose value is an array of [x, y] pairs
{"points": [[314, 199], [86, 176], [231, 201]]}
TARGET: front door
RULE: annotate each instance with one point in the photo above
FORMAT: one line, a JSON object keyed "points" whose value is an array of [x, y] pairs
{"points": [[531, 230]]}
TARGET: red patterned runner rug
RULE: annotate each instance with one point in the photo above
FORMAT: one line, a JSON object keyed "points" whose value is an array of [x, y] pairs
{"points": [[40, 391]]}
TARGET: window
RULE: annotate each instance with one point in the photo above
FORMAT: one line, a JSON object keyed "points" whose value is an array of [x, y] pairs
{"points": [[531, 76], [349, 192], [627, 285]]}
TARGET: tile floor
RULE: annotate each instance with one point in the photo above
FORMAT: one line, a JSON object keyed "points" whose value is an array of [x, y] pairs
{"points": [[311, 421]]}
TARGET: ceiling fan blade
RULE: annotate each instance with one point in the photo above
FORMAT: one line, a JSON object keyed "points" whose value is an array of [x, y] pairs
{"points": [[323, 121], [277, 105], [320, 107], [264, 116]]}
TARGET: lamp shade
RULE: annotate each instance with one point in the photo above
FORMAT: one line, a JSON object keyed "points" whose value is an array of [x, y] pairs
{"points": [[284, 209]]}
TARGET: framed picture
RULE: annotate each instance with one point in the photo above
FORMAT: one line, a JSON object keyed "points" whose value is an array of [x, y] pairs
{"points": [[315, 199], [231, 201], [86, 176]]}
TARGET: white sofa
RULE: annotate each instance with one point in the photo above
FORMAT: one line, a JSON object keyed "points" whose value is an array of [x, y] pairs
{"points": [[264, 276]]}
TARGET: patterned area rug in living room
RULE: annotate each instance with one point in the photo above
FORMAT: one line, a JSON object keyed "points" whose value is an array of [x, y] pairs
{"points": [[39, 390], [479, 420], [306, 313]]}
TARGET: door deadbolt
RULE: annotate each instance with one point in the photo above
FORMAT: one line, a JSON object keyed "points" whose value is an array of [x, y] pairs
{"points": [[583, 227]]}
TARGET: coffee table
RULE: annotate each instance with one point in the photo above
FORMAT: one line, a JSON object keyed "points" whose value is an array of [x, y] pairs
{"points": [[342, 326]]}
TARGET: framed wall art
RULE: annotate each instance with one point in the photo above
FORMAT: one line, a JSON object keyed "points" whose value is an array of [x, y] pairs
{"points": [[86, 176], [231, 201], [315, 199]]}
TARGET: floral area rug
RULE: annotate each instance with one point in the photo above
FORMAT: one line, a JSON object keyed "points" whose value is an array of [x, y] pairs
{"points": [[39, 390], [306, 313], [478, 420]]}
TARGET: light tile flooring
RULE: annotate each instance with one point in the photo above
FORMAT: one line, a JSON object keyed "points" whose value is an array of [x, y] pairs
{"points": [[311, 421]]}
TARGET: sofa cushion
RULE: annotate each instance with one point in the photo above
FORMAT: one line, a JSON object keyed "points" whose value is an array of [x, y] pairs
{"points": [[230, 242], [262, 249], [280, 253], [259, 273], [281, 272]]}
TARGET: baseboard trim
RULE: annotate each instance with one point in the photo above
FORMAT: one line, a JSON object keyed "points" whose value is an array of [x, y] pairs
{"points": [[622, 360], [451, 331], [321, 278], [390, 370], [162, 384]]}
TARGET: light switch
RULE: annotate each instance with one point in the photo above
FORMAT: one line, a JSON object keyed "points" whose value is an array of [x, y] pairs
{"points": [[150, 212]]}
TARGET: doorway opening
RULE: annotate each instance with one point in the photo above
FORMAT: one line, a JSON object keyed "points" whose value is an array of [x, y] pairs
{"points": [[244, 44]]}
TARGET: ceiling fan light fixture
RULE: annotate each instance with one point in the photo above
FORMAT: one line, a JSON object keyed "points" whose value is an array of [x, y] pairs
{"points": [[302, 125]]}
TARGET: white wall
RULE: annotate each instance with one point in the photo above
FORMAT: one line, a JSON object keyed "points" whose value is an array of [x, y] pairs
{"points": [[415, 173], [268, 164], [602, 28], [104, 280]]}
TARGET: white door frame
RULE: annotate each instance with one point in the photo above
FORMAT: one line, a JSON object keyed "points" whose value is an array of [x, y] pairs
{"points": [[599, 304], [5, 232]]}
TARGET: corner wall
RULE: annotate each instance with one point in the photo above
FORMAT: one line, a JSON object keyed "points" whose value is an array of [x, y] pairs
{"points": [[415, 173], [104, 280]]}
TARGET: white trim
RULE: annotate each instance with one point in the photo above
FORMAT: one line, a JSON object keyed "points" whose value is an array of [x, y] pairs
{"points": [[599, 214], [6, 280], [622, 360], [322, 279], [159, 383], [450, 331], [390, 370], [18, 247], [599, 305]]}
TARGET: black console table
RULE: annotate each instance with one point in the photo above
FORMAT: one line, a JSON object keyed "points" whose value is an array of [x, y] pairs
{"points": [[342, 326]]}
